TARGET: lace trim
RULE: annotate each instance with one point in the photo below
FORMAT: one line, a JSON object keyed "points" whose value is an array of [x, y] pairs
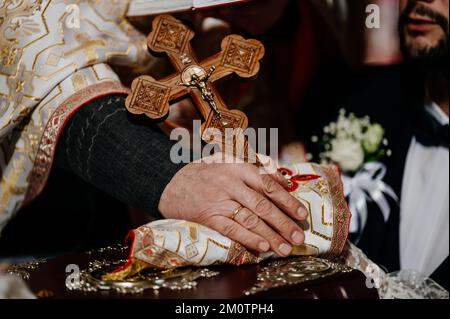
{"points": [[405, 284]]}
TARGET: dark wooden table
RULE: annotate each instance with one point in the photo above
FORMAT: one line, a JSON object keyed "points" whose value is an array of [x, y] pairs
{"points": [[48, 281]]}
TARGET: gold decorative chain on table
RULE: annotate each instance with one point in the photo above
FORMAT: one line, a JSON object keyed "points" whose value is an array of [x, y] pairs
{"points": [[23, 270], [295, 271], [91, 279]]}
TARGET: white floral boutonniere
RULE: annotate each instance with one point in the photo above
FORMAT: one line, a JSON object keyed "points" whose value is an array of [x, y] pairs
{"points": [[356, 145], [351, 142]]}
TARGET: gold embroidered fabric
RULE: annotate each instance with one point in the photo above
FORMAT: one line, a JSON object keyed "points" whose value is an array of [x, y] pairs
{"points": [[55, 56], [169, 244]]}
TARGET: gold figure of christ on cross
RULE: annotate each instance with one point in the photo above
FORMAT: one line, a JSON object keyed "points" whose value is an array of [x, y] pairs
{"points": [[153, 97]]}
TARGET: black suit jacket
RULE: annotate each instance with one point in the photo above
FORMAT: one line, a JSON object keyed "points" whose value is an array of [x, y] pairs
{"points": [[391, 96]]}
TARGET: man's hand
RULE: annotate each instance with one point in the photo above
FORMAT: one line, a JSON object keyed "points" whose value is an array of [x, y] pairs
{"points": [[238, 201]]}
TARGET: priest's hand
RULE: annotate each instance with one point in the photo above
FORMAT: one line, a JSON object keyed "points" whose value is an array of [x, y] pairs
{"points": [[238, 201]]}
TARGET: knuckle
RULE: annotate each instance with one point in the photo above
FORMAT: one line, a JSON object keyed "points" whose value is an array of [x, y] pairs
{"points": [[272, 235], [286, 225], [228, 230], [292, 202], [222, 178], [250, 221], [264, 207], [274, 240], [269, 184]]}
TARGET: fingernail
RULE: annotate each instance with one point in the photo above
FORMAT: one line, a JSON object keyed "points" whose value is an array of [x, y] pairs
{"points": [[302, 212], [264, 246], [298, 237], [285, 249]]}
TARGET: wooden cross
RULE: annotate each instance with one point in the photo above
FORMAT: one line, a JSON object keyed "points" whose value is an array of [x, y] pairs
{"points": [[152, 97]]}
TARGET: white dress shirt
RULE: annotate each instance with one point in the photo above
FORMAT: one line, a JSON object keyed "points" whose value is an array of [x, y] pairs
{"points": [[424, 209]]}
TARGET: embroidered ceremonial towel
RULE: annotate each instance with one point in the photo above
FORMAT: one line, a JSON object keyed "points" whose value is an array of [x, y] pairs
{"points": [[170, 244]]}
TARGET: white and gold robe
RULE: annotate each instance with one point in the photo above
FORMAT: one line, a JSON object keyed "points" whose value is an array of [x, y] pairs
{"points": [[49, 67]]}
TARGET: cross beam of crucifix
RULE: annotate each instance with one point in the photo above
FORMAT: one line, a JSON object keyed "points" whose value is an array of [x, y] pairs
{"points": [[152, 97]]}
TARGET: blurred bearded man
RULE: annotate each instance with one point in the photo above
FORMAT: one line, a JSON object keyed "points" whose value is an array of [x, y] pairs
{"points": [[410, 102], [424, 218], [424, 38]]}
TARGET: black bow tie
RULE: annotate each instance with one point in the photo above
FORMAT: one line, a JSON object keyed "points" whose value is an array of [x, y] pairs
{"points": [[429, 132]]}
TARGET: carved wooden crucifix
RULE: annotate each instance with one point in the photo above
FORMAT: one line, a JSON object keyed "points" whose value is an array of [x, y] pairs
{"points": [[152, 97]]}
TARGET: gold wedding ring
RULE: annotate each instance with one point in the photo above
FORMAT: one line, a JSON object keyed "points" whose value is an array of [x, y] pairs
{"points": [[236, 212]]}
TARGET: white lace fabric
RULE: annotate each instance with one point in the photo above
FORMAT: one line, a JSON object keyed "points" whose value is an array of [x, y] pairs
{"points": [[405, 284], [12, 287]]}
